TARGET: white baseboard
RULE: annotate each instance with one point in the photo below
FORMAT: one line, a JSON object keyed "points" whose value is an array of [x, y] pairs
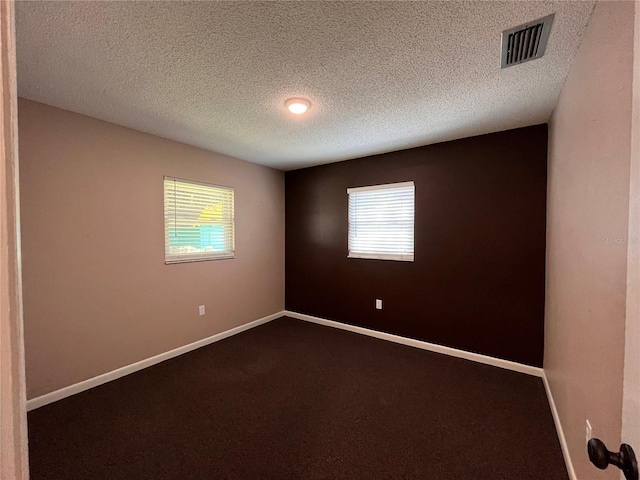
{"points": [[556, 420], [126, 370], [476, 357], [134, 367], [432, 347]]}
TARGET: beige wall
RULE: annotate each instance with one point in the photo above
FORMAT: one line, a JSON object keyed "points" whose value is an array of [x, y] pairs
{"points": [[588, 201], [97, 294]]}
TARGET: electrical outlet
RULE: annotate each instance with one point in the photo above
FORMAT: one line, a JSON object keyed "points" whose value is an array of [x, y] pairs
{"points": [[589, 431], [378, 304], [201, 309]]}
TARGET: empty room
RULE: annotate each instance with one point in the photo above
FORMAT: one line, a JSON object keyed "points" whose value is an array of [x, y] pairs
{"points": [[320, 240]]}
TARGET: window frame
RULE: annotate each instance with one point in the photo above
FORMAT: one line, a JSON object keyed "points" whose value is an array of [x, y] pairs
{"points": [[171, 259], [400, 257]]}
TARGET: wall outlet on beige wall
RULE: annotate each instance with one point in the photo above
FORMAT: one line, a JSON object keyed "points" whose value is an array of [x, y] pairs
{"points": [[201, 309]]}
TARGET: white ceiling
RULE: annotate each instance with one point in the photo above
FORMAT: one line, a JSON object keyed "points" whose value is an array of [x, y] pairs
{"points": [[381, 76]]}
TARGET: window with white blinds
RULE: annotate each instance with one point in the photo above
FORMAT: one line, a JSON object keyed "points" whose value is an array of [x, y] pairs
{"points": [[198, 221], [381, 219]]}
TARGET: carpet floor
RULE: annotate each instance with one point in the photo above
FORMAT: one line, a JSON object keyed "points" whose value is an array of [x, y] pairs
{"points": [[294, 400]]}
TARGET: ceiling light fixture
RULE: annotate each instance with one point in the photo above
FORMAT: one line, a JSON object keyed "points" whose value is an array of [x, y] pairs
{"points": [[297, 105]]}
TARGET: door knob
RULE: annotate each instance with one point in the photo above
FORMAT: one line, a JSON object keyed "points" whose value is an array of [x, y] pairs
{"points": [[625, 459]]}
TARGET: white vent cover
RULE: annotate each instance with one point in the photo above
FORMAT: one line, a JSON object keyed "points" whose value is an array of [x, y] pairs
{"points": [[525, 42]]}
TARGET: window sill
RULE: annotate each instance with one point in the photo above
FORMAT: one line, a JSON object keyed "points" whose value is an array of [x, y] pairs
{"points": [[376, 256], [171, 261]]}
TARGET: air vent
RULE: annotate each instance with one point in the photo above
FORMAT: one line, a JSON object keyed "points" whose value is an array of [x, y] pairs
{"points": [[526, 42]]}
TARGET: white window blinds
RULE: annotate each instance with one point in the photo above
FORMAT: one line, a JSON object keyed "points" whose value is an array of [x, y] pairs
{"points": [[381, 220], [198, 221]]}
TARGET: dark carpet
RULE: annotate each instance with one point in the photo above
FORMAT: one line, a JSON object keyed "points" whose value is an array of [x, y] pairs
{"points": [[294, 400]]}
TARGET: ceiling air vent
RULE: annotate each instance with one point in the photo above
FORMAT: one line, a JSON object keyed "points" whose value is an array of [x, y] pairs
{"points": [[525, 42]]}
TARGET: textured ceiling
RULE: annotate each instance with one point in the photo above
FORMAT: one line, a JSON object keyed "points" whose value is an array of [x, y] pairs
{"points": [[381, 76]]}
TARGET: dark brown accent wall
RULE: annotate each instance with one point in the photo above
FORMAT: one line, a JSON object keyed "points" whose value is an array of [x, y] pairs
{"points": [[477, 282]]}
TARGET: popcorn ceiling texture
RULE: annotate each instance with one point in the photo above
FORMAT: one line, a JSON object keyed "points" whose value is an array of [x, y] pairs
{"points": [[381, 76]]}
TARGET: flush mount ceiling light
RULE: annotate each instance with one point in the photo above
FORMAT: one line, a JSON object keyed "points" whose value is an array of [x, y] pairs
{"points": [[297, 105]]}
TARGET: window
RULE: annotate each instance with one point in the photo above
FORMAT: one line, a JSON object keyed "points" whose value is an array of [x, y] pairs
{"points": [[198, 221], [381, 221]]}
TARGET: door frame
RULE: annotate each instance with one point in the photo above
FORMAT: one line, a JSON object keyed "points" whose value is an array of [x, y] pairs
{"points": [[631, 385], [13, 414]]}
